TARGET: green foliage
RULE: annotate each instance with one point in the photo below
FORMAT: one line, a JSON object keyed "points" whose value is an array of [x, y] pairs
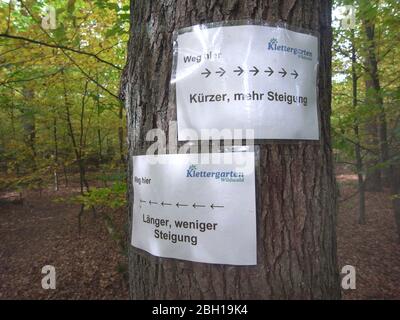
{"points": [[113, 197], [348, 117], [51, 96]]}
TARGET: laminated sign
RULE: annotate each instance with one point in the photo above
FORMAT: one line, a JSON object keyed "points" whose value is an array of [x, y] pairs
{"points": [[189, 210], [253, 77]]}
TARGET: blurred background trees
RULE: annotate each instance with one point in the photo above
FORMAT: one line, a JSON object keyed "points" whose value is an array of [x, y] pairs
{"points": [[366, 113], [59, 108]]}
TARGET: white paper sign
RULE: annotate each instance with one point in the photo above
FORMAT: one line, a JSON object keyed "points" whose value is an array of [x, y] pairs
{"points": [[199, 212], [247, 77]]}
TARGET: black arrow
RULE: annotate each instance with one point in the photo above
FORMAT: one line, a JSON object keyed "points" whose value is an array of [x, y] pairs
{"points": [[269, 71], [239, 71], [181, 205], [221, 71], [254, 70], [283, 72], [151, 202], [207, 72], [165, 204], [198, 205], [214, 206], [295, 74], [142, 201]]}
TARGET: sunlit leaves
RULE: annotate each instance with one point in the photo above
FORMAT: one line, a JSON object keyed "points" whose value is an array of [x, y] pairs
{"points": [[58, 77]]}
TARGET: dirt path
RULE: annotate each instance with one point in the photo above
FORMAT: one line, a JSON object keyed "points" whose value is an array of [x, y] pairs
{"points": [[42, 232]]}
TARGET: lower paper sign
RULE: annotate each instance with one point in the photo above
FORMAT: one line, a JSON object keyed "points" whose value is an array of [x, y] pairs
{"points": [[191, 209]]}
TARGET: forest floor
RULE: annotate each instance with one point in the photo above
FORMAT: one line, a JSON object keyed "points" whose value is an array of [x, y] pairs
{"points": [[92, 265], [373, 249], [42, 232]]}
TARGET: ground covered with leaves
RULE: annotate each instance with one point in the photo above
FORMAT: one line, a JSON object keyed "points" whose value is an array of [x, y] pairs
{"points": [[373, 249], [42, 231], [92, 264]]}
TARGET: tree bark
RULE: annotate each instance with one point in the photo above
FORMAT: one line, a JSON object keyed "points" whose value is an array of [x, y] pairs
{"points": [[356, 129], [296, 189], [121, 134]]}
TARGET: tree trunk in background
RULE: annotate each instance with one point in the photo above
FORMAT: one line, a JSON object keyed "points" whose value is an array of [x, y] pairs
{"points": [[29, 124], [374, 95], [373, 179], [296, 189], [99, 141], [356, 129], [55, 160]]}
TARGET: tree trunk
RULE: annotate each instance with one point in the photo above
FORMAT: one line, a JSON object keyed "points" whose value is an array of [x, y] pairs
{"points": [[373, 178], [374, 95], [356, 127], [99, 141], [29, 123], [55, 160], [121, 134], [78, 148], [296, 189]]}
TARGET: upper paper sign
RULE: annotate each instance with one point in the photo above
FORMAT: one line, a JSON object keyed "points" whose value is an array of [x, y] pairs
{"points": [[246, 77]]}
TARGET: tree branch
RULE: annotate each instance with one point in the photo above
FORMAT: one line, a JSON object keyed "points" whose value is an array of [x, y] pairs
{"points": [[57, 46], [90, 77], [31, 79]]}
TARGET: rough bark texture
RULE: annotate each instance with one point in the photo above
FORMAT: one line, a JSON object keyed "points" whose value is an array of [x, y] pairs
{"points": [[296, 190]]}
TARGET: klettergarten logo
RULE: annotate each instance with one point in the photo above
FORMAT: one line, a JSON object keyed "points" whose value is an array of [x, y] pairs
{"points": [[301, 53], [223, 176]]}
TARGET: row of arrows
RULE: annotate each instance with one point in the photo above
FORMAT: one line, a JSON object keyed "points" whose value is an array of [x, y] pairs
{"points": [[194, 205], [239, 71]]}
